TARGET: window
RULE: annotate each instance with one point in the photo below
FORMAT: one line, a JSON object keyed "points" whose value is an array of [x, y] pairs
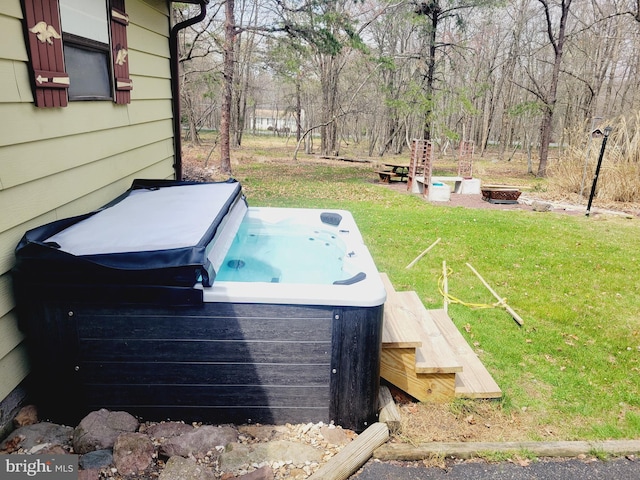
{"points": [[88, 71], [77, 50], [85, 39]]}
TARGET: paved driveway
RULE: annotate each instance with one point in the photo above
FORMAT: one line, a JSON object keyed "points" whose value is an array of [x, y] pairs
{"points": [[617, 469]]}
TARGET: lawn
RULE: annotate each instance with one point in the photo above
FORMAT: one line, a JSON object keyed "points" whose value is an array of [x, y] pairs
{"points": [[572, 370]]}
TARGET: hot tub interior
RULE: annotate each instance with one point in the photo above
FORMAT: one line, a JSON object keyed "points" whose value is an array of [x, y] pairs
{"points": [[215, 326], [293, 246]]}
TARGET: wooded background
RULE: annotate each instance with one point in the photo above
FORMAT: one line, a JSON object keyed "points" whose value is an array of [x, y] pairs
{"points": [[521, 74]]}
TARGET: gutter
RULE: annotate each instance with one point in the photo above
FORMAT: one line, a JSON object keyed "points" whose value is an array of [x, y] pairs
{"points": [[175, 80]]}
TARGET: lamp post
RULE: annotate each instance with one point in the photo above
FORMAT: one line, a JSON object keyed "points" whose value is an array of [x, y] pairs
{"points": [[606, 133], [594, 120]]}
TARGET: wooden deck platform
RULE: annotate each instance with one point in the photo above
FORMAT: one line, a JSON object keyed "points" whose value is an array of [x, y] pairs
{"points": [[425, 355]]}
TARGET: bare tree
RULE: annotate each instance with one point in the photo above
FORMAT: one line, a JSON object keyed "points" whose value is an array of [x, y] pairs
{"points": [[391, 95], [435, 13], [547, 91], [227, 95], [244, 55], [286, 58], [328, 28], [194, 60]]}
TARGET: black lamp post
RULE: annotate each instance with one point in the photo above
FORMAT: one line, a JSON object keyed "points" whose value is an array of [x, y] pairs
{"points": [[606, 133]]}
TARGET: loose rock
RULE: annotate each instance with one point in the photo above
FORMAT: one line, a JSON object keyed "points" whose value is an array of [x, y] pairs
{"points": [[132, 453], [96, 460], [48, 449], [278, 451], [99, 430], [538, 206], [28, 415], [262, 473], [30, 436], [263, 433], [185, 469], [200, 441], [88, 475], [168, 430], [249, 452], [334, 435]]}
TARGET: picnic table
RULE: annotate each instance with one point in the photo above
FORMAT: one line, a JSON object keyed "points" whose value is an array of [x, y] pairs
{"points": [[393, 170]]}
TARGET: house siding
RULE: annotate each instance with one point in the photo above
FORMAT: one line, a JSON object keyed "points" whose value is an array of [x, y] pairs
{"points": [[59, 162]]}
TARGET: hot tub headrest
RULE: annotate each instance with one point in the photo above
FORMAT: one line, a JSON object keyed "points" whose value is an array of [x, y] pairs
{"points": [[331, 218], [358, 277]]}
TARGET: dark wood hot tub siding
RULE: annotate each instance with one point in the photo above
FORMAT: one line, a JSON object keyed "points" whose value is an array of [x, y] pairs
{"points": [[217, 362]]}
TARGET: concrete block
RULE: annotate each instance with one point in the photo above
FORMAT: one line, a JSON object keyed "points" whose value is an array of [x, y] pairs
{"points": [[471, 186], [439, 192]]}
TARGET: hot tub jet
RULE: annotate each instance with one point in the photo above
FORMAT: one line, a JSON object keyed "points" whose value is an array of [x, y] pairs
{"points": [[235, 264]]}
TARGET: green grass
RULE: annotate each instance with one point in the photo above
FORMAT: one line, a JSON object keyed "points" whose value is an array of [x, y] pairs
{"points": [[575, 364], [522, 455]]}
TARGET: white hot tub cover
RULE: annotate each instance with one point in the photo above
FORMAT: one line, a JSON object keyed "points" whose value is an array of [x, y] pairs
{"points": [[159, 232]]}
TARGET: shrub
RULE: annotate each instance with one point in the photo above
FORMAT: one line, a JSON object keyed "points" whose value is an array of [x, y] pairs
{"points": [[619, 178]]}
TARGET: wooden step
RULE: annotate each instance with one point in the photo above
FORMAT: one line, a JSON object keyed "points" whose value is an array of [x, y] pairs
{"points": [[402, 335], [424, 354], [474, 381], [397, 366], [434, 355], [400, 328]]}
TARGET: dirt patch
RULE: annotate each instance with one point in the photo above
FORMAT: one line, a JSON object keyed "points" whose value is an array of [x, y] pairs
{"points": [[461, 420], [475, 421]]}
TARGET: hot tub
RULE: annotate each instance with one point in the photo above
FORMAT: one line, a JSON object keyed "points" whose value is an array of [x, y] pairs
{"points": [[239, 330]]}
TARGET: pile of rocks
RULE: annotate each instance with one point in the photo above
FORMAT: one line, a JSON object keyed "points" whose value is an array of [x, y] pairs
{"points": [[116, 446]]}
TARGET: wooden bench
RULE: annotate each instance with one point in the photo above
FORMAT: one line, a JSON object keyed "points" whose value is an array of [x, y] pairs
{"points": [[387, 175]]}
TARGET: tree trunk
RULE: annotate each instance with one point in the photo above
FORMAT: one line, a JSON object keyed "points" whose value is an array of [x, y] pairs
{"points": [[298, 107], [506, 125], [243, 62], [545, 140], [329, 81], [431, 69], [227, 73], [551, 97], [241, 106], [192, 134]]}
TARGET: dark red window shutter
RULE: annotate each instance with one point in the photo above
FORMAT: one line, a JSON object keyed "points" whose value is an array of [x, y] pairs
{"points": [[120, 52], [44, 41]]}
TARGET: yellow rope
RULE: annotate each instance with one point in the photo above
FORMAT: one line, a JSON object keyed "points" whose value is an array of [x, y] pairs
{"points": [[451, 299]]}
